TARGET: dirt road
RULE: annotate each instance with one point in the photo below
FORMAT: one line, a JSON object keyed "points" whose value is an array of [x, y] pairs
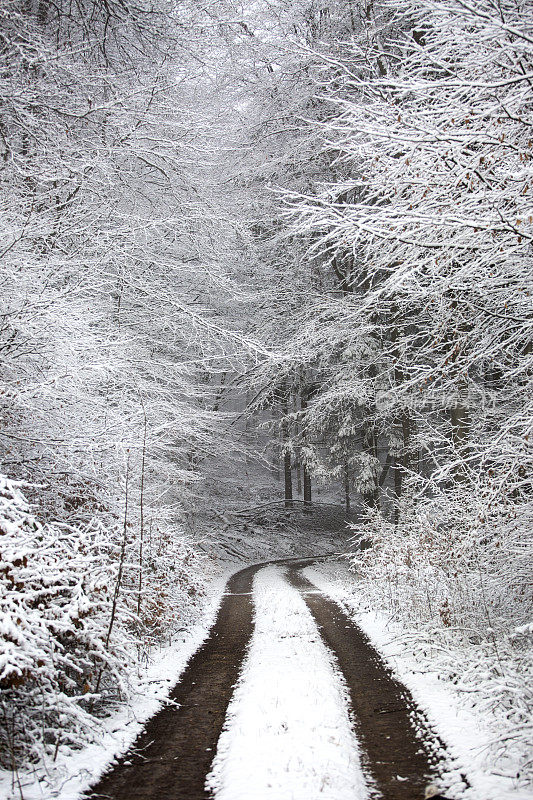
{"points": [[173, 755], [399, 756]]}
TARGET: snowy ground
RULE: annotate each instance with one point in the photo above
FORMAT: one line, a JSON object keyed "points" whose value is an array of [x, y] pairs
{"points": [[468, 734], [288, 734], [73, 771]]}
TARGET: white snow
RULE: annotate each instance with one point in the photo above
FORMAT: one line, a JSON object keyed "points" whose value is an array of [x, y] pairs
{"points": [[74, 771], [287, 734], [466, 733]]}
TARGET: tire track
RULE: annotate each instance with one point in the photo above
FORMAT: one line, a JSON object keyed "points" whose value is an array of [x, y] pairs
{"points": [[172, 756], [398, 755]]}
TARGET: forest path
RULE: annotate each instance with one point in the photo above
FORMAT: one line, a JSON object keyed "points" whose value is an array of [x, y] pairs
{"points": [[399, 752], [173, 755]]}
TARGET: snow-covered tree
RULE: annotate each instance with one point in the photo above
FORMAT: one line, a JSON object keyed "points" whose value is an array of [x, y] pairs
{"points": [[114, 273], [432, 339]]}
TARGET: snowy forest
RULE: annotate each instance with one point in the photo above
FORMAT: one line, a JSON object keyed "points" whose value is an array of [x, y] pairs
{"points": [[265, 293]]}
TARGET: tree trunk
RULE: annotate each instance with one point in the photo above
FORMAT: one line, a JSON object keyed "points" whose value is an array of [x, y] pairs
{"points": [[370, 446], [306, 475], [287, 472], [347, 491], [288, 478], [460, 420], [401, 464], [307, 487]]}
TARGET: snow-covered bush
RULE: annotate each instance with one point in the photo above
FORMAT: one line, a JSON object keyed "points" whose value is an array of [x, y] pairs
{"points": [[57, 584], [75, 625], [455, 571], [454, 560], [173, 586]]}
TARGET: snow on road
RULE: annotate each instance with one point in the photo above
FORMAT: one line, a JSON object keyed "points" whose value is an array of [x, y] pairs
{"points": [[288, 734]]}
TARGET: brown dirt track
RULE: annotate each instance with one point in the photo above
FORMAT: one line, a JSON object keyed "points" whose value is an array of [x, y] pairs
{"points": [[401, 763], [173, 755]]}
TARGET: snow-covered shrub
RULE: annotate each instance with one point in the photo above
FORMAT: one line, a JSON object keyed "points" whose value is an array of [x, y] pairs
{"points": [[75, 624], [455, 571], [453, 561], [57, 582], [173, 586]]}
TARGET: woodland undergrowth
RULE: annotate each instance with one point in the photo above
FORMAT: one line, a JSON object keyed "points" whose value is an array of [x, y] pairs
{"points": [[77, 631], [454, 573]]}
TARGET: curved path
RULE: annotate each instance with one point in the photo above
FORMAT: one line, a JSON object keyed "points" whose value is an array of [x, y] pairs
{"points": [[172, 756], [399, 751]]}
